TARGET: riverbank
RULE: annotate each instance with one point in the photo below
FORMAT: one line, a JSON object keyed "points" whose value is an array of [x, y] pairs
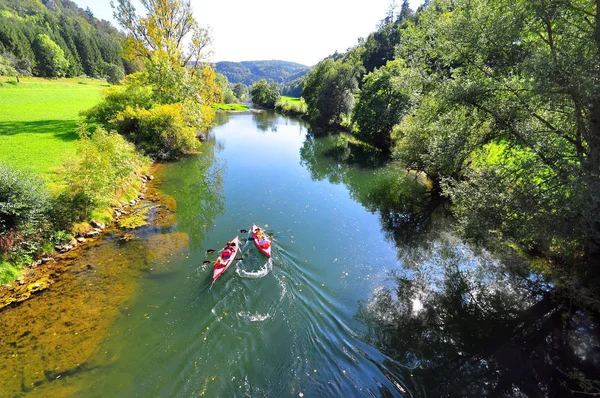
{"points": [[43, 272], [59, 182], [66, 305]]}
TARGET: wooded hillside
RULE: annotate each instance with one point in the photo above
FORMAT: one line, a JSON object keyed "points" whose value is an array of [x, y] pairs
{"points": [[249, 72], [54, 38]]}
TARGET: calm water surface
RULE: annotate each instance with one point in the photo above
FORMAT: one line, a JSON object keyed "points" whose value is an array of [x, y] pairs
{"points": [[316, 318], [279, 327]]}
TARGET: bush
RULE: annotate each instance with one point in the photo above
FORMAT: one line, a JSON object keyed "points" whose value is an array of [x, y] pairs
{"points": [[164, 132], [106, 167], [116, 99], [24, 202], [297, 108], [113, 73]]}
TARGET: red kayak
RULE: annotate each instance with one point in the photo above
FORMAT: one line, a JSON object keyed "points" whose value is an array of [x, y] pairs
{"points": [[226, 257], [261, 240]]}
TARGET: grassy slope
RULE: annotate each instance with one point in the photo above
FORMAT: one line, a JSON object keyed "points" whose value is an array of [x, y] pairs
{"points": [[38, 120], [230, 107], [291, 100]]}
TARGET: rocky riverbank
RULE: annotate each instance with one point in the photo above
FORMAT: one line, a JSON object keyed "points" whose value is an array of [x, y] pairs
{"points": [[55, 318], [43, 272]]}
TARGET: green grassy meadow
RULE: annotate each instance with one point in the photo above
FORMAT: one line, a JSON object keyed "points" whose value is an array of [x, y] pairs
{"points": [[230, 107], [38, 120], [290, 100]]}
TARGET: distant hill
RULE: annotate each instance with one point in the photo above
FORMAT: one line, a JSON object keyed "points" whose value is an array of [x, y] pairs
{"points": [[248, 72]]}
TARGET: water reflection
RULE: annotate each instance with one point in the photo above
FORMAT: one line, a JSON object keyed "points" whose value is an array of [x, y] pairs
{"points": [[408, 214], [265, 121], [460, 323], [199, 182]]}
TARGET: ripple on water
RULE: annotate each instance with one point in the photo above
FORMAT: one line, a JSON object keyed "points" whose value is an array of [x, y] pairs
{"points": [[262, 272]]}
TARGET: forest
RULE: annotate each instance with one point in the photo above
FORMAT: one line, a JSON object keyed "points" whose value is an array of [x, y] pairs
{"points": [[55, 38], [249, 72]]}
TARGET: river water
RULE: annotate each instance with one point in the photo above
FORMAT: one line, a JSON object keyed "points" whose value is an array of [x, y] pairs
{"points": [[315, 320]]}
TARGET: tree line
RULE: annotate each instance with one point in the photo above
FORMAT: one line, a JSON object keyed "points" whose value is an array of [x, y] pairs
{"points": [[56, 39], [498, 103]]}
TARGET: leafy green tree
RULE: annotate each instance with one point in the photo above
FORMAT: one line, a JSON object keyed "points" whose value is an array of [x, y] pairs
{"points": [[329, 89], [382, 101], [506, 123], [265, 94], [113, 73], [405, 11], [51, 61], [240, 90], [6, 67], [380, 46]]}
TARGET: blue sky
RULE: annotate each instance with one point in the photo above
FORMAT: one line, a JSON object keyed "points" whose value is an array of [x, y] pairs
{"points": [[303, 31]]}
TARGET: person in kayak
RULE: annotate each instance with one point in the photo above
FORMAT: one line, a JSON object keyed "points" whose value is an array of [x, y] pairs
{"points": [[264, 243], [228, 251]]}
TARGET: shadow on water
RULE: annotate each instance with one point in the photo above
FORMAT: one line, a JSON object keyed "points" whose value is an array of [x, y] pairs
{"points": [[409, 217], [460, 325], [460, 321]]}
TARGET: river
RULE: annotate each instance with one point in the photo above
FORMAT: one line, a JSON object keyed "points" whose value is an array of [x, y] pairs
{"points": [[141, 317]]}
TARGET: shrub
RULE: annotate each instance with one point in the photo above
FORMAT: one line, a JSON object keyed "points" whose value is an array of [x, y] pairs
{"points": [[24, 202], [113, 73], [296, 108], [116, 99], [164, 132], [105, 168]]}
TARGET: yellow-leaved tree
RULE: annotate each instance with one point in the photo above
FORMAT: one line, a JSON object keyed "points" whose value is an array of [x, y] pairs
{"points": [[174, 49]]}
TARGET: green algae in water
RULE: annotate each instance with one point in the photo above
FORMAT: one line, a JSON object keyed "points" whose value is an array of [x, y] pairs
{"points": [[137, 219]]}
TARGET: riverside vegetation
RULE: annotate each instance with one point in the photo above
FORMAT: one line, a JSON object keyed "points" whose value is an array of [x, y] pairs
{"points": [[158, 114], [497, 103]]}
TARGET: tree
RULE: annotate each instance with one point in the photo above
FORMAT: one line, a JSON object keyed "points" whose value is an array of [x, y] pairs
{"points": [[163, 31], [506, 121], [330, 87], [11, 66], [382, 101], [51, 61], [265, 94], [113, 73], [405, 11], [241, 91]]}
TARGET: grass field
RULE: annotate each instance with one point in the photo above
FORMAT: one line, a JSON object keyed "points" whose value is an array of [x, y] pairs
{"points": [[290, 100], [38, 120], [230, 107]]}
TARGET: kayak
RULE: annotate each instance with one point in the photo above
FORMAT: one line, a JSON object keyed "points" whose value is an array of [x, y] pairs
{"points": [[222, 263], [261, 240]]}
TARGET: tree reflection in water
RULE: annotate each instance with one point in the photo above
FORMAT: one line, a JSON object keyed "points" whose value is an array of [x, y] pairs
{"points": [[200, 198], [461, 323]]}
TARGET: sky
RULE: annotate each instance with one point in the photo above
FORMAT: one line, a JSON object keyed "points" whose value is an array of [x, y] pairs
{"points": [[302, 31]]}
